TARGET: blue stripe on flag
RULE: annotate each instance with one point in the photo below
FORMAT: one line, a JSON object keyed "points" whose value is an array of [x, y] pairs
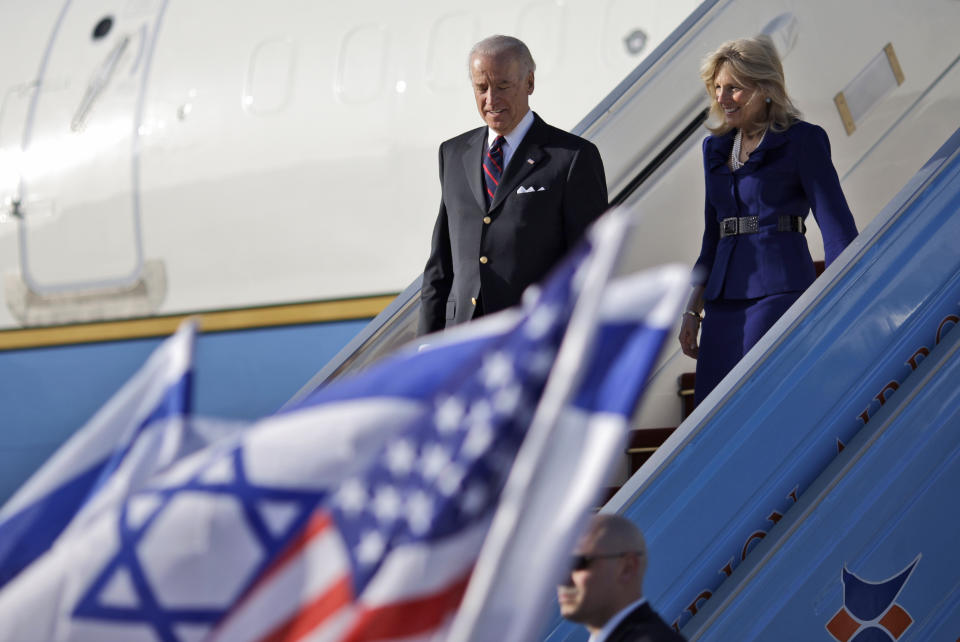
{"points": [[619, 367], [423, 373], [26, 535]]}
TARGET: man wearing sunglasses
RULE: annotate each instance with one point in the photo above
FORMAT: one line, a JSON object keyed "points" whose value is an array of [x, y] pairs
{"points": [[604, 589]]}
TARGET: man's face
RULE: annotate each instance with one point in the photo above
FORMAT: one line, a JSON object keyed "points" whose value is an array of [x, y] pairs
{"points": [[589, 595], [502, 91]]}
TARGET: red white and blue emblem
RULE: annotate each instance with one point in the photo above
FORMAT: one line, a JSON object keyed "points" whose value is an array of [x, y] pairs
{"points": [[870, 612]]}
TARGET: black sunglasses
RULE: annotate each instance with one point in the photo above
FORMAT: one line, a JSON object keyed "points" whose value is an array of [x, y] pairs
{"points": [[583, 562]]}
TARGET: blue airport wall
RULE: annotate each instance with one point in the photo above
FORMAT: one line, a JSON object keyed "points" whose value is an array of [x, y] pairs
{"points": [[48, 393]]}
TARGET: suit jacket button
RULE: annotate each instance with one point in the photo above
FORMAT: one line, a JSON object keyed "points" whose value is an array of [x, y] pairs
{"points": [[483, 260], [486, 220], [473, 300]]}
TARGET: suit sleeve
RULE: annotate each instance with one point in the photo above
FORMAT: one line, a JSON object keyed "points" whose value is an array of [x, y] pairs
{"points": [[822, 187], [438, 272], [585, 193], [711, 231]]}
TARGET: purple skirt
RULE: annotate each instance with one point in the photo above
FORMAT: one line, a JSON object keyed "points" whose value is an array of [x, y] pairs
{"points": [[730, 328]]}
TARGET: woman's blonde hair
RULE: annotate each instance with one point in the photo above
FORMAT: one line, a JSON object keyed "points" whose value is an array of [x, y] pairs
{"points": [[753, 63]]}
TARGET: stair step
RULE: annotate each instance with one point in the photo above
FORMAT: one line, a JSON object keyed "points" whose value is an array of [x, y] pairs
{"points": [[685, 383], [643, 443]]}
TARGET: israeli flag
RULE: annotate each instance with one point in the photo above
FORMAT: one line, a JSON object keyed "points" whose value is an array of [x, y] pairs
{"points": [[141, 429]]}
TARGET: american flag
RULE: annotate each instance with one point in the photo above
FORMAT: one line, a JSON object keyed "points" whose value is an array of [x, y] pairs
{"points": [[405, 531], [356, 515]]}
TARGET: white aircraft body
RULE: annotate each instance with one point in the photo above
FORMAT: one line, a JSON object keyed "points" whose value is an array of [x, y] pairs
{"points": [[162, 157], [883, 79]]}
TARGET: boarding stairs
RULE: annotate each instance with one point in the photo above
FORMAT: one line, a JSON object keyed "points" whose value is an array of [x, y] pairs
{"points": [[833, 447]]}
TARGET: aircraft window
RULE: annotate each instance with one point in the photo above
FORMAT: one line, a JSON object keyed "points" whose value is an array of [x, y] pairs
{"points": [[103, 28], [542, 26], [269, 82], [452, 32], [362, 64]]}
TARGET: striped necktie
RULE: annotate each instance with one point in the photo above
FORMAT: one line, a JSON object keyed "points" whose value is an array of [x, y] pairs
{"points": [[493, 167]]}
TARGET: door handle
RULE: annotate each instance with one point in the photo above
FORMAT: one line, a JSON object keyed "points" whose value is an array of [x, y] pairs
{"points": [[99, 81]]}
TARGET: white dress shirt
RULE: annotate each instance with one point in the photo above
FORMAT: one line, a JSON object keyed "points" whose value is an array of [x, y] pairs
{"points": [[617, 618], [511, 140]]}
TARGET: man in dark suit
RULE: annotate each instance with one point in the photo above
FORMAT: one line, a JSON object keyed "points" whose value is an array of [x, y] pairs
{"points": [[517, 194], [604, 590]]}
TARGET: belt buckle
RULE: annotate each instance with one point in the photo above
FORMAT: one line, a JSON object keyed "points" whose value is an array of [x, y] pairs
{"points": [[749, 224], [728, 226]]}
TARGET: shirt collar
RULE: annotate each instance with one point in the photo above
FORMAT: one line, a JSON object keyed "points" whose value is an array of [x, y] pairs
{"points": [[615, 621], [514, 137]]}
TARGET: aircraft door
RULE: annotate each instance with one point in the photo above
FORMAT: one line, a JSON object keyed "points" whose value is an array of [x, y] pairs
{"points": [[77, 201]]}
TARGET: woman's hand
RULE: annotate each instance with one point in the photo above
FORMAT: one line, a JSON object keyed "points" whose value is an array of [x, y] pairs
{"points": [[689, 329], [690, 326]]}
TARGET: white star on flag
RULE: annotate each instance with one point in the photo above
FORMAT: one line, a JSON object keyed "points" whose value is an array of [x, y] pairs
{"points": [[450, 479], [497, 370], [449, 414], [401, 457], [372, 545], [420, 512], [478, 440], [387, 504], [434, 460], [352, 497]]}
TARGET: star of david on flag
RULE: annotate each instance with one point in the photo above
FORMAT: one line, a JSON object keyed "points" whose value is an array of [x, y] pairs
{"points": [[358, 514]]}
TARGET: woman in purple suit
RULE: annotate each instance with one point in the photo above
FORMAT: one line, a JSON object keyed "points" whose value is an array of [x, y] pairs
{"points": [[765, 169]]}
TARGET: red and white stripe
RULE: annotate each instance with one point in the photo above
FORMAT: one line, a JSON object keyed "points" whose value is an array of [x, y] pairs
{"points": [[307, 593]]}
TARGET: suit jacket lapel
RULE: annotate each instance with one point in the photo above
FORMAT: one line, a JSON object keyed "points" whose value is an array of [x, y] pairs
{"points": [[473, 165], [530, 149], [771, 140]]}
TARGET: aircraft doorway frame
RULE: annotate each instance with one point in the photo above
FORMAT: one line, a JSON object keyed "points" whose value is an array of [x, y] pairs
{"points": [[130, 51]]}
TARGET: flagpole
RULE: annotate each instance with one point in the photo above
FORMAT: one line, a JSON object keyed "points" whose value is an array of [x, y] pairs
{"points": [[609, 235]]}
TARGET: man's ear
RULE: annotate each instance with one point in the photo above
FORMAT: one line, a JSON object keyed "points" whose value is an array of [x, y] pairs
{"points": [[630, 566], [530, 84]]}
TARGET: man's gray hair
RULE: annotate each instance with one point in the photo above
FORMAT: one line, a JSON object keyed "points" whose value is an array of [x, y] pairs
{"points": [[494, 46]]}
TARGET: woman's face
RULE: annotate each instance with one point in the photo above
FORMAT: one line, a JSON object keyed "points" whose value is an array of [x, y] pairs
{"points": [[743, 107]]}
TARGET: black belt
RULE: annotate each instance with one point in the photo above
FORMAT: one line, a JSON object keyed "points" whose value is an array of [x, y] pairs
{"points": [[751, 225]]}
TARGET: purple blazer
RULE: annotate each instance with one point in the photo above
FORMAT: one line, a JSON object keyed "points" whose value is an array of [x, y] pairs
{"points": [[789, 174]]}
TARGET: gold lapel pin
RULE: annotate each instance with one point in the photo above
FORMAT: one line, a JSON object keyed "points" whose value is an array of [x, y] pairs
{"points": [[530, 160]]}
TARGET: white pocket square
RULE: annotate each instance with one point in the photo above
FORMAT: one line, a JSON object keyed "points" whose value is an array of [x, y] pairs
{"points": [[527, 190]]}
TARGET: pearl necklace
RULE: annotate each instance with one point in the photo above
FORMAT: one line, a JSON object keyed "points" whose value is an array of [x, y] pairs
{"points": [[735, 163]]}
